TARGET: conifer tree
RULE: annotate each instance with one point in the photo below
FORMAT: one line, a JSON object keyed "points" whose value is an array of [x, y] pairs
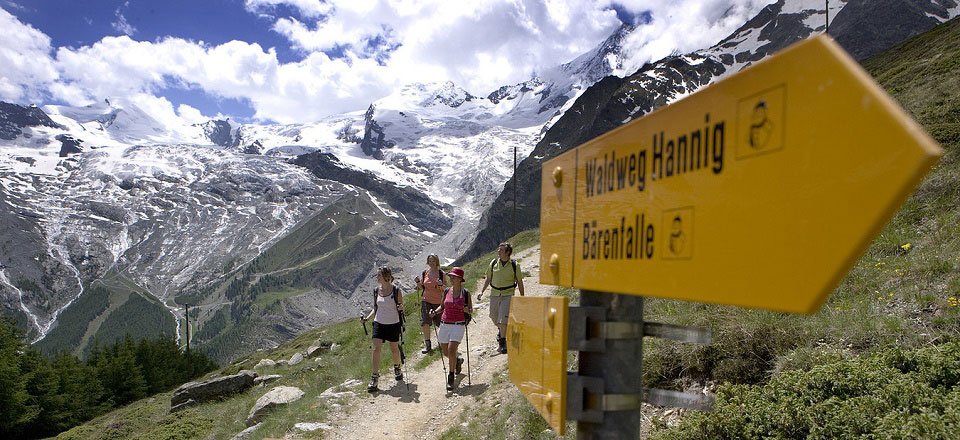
{"points": [[119, 373], [15, 409], [43, 388], [81, 391]]}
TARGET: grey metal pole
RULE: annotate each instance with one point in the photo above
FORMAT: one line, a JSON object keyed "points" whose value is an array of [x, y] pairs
{"points": [[515, 230], [619, 367], [186, 321], [826, 12]]}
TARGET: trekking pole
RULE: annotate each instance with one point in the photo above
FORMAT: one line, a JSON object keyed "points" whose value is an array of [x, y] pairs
{"points": [[403, 356], [466, 328], [364, 322]]}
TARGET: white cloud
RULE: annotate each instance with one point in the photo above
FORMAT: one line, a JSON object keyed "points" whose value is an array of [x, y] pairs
{"points": [[684, 26], [190, 114], [480, 45], [25, 59], [122, 25], [308, 8], [355, 52], [157, 107]]}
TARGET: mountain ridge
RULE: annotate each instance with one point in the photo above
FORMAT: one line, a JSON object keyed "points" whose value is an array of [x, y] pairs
{"points": [[775, 27]]}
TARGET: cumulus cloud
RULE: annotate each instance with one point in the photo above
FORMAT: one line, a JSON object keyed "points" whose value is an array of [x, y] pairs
{"points": [[25, 56], [355, 52], [480, 45], [682, 26]]}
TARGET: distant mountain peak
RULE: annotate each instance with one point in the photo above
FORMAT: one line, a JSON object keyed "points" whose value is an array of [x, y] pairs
{"points": [[430, 94]]}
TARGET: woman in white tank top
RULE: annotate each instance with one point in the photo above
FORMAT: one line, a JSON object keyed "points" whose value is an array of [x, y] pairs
{"points": [[387, 307]]}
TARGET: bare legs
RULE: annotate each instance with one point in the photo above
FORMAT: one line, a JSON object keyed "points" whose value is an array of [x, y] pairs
{"points": [[450, 351], [394, 351]]}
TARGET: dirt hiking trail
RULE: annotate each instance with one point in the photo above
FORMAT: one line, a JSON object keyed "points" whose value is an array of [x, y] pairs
{"points": [[428, 409]]}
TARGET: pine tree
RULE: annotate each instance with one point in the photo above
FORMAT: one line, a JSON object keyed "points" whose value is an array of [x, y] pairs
{"points": [[43, 387], [81, 391], [119, 373], [15, 409]]}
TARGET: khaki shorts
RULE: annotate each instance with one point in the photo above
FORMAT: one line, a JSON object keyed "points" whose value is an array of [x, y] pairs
{"points": [[500, 309]]}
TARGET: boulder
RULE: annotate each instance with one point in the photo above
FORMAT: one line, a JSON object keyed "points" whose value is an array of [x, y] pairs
{"points": [[246, 434], [264, 363], [309, 426], [212, 389], [266, 379], [314, 350], [278, 396], [295, 359], [180, 406]]}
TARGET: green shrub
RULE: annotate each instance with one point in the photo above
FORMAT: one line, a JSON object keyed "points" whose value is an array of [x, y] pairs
{"points": [[894, 394]]}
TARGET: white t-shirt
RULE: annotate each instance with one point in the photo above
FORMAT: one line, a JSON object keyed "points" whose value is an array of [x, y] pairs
{"points": [[387, 312]]}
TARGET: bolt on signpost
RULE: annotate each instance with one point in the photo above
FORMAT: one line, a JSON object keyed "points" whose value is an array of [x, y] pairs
{"points": [[759, 191]]}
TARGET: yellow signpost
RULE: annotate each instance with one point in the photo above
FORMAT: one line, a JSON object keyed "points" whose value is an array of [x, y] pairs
{"points": [[537, 338], [760, 191]]}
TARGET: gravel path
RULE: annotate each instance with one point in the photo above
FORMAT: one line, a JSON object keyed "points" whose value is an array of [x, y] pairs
{"points": [[427, 409]]}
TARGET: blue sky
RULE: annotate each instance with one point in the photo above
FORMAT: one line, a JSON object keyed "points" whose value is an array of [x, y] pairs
{"points": [[301, 60]]}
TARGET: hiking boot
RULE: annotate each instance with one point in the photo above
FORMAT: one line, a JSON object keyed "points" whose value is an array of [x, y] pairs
{"points": [[450, 381], [427, 348], [502, 342], [397, 373], [373, 383], [459, 364]]}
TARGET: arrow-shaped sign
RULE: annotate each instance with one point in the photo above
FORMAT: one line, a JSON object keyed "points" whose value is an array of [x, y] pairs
{"points": [[761, 190]]}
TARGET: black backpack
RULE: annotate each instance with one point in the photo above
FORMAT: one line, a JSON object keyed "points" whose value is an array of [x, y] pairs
{"points": [[393, 295], [467, 300], [423, 276]]}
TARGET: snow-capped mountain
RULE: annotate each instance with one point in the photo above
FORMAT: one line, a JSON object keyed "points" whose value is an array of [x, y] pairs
{"points": [[862, 27], [114, 220]]}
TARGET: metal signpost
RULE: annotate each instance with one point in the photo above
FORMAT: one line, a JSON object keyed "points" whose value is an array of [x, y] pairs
{"points": [[759, 191]]}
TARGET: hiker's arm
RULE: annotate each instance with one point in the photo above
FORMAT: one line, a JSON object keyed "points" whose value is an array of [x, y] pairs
{"points": [[400, 300], [486, 283], [520, 286], [370, 315]]}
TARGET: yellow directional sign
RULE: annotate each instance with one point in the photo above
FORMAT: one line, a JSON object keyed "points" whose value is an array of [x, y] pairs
{"points": [[537, 342], [761, 190]]}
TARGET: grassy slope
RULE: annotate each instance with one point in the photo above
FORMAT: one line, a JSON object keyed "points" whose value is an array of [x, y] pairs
{"points": [[302, 262], [149, 418]]}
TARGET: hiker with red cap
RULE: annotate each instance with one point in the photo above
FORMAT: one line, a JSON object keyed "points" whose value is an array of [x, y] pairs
{"points": [[431, 283], [453, 312]]}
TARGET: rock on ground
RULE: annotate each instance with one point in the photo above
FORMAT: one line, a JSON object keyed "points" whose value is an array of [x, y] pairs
{"points": [[278, 396], [212, 389]]}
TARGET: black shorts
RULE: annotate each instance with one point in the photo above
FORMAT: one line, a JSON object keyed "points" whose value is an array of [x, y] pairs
{"points": [[386, 332], [425, 318]]}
